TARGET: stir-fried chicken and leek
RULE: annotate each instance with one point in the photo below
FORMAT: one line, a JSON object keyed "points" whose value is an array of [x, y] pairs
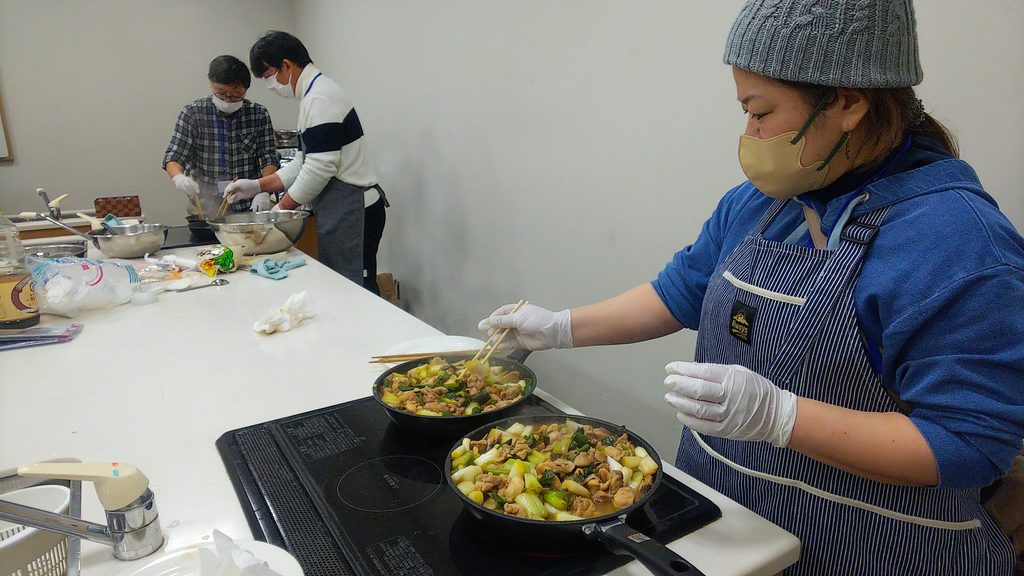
{"points": [[467, 387], [560, 471]]}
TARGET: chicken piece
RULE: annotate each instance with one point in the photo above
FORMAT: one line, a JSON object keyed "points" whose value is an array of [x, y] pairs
{"points": [[489, 408], [623, 497], [412, 406], [515, 510], [407, 396], [613, 452], [440, 390], [475, 383], [600, 456], [582, 507], [514, 488], [501, 404], [490, 482], [595, 435], [593, 483], [429, 395], [554, 435], [584, 459], [438, 406], [503, 452], [478, 446], [521, 450], [510, 393], [563, 466], [615, 481], [601, 496]]}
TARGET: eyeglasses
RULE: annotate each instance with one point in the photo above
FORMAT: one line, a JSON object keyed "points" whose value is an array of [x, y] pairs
{"points": [[229, 97]]}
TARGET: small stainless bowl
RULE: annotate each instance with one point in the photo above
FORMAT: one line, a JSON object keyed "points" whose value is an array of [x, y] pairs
{"points": [[134, 241], [260, 232], [67, 249]]}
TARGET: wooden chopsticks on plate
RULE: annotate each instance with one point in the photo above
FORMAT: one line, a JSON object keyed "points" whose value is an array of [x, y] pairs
{"points": [[487, 349], [395, 358]]}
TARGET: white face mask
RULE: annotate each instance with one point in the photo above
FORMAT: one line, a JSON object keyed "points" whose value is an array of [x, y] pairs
{"points": [[226, 107], [282, 90]]}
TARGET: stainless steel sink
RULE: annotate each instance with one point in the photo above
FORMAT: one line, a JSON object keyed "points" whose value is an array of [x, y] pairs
{"points": [[18, 219]]}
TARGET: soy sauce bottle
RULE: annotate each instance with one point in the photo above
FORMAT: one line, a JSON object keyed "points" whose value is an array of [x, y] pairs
{"points": [[18, 308]]}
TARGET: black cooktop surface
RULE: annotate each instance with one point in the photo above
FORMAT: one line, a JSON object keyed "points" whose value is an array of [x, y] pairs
{"points": [[348, 492], [181, 236]]}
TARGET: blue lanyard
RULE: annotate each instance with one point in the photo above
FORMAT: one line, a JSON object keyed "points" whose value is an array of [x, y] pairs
{"points": [[864, 184], [311, 82], [221, 142]]}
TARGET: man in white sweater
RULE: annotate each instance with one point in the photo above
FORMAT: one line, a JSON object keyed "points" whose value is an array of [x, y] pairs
{"points": [[331, 171]]}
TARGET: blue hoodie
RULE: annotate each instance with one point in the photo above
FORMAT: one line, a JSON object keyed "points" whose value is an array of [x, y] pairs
{"points": [[940, 299]]}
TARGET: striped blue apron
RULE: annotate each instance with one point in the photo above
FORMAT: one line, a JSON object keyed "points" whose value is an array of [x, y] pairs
{"points": [[786, 312]]}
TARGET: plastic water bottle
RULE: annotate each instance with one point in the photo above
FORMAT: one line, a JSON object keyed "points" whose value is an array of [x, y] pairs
{"points": [[18, 308]]}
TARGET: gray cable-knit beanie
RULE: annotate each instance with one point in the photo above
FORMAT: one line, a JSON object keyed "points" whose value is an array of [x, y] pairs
{"points": [[841, 43]]}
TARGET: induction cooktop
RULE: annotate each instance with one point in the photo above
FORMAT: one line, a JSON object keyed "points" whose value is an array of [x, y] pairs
{"points": [[346, 491]]}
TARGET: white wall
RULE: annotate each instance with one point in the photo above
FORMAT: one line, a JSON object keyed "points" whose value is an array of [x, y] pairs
{"points": [[563, 151], [92, 89]]}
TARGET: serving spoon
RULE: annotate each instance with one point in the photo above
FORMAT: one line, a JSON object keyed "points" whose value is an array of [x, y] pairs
{"points": [[217, 282]]}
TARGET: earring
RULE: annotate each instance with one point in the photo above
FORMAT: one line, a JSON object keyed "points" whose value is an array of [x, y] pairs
{"points": [[846, 152]]}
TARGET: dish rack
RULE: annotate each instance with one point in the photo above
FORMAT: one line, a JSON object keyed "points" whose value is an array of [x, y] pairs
{"points": [[32, 552]]}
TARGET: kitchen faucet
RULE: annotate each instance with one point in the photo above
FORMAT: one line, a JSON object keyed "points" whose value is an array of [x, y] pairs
{"points": [[52, 205], [133, 523]]}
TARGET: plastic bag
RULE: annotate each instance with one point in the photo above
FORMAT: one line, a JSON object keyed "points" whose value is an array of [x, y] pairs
{"points": [[66, 286], [297, 308]]}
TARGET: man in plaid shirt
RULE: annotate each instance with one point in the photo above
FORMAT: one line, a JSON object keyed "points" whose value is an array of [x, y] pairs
{"points": [[220, 138]]}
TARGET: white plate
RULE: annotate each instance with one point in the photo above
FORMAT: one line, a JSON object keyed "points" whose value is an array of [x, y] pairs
{"points": [[434, 344], [185, 561]]}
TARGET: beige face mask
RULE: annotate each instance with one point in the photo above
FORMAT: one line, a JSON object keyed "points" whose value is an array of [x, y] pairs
{"points": [[773, 165]]}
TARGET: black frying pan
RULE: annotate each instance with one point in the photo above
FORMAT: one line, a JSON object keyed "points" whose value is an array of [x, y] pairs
{"points": [[610, 529], [200, 229], [450, 426]]}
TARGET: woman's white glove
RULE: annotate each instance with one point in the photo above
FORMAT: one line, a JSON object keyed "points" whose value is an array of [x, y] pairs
{"points": [[730, 402], [533, 327], [261, 202], [186, 185], [241, 190]]}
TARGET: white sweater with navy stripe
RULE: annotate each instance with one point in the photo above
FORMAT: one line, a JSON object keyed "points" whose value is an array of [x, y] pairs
{"points": [[331, 141]]}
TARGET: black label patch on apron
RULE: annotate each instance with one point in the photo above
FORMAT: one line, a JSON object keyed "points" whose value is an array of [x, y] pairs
{"points": [[741, 321]]}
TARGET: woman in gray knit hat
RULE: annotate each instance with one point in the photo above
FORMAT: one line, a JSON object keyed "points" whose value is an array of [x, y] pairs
{"points": [[860, 348]]}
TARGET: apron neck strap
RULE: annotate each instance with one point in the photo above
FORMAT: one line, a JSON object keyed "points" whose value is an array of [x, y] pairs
{"points": [[838, 274]]}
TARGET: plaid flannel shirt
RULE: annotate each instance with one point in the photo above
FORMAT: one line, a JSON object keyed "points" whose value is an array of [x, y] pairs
{"points": [[247, 136]]}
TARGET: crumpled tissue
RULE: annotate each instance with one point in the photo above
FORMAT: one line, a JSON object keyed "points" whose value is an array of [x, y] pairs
{"points": [[230, 560], [297, 308]]}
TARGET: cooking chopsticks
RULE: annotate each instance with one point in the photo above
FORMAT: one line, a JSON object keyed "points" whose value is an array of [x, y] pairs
{"points": [[504, 333]]}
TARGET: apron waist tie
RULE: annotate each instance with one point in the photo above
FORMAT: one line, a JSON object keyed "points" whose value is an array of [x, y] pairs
{"points": [[964, 525]]}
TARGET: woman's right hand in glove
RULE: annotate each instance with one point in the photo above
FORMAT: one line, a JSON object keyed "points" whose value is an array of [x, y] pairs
{"points": [[532, 327]]}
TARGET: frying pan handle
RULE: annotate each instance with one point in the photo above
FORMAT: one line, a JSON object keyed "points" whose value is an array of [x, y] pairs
{"points": [[623, 540]]}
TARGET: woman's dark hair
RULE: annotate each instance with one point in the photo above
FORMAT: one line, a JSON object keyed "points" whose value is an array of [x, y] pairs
{"points": [[892, 113], [229, 71], [273, 48]]}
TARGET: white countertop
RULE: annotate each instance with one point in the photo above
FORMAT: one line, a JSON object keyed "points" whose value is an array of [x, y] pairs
{"points": [[156, 385]]}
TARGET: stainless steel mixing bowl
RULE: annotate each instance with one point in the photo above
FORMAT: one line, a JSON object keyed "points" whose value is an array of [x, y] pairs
{"points": [[260, 232]]}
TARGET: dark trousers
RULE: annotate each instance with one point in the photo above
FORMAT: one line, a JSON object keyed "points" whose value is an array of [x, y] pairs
{"points": [[373, 228]]}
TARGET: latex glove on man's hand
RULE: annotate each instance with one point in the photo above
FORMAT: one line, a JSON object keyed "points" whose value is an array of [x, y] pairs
{"points": [[532, 327], [730, 402], [261, 202], [186, 185], [241, 190]]}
